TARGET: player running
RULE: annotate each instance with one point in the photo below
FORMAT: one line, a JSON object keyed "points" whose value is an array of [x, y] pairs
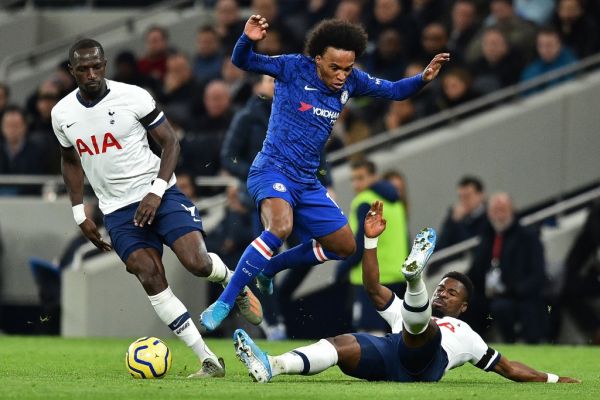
{"points": [[310, 92], [420, 349], [102, 129]]}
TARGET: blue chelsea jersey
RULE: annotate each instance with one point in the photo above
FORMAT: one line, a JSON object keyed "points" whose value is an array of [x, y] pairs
{"points": [[304, 109]]}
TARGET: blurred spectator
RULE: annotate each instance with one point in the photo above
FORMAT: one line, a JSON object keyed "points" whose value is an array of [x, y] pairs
{"points": [[185, 183], [218, 110], [425, 12], [397, 179], [272, 44], [519, 32], [229, 25], [387, 14], [578, 31], [63, 77], [4, 97], [40, 129], [537, 11], [456, 89], [269, 10], [387, 59], [434, 40], [463, 28], [499, 65], [398, 114], [18, 155], [349, 10], [466, 218], [239, 82], [582, 277], [552, 55], [393, 245], [126, 71], [247, 130], [154, 61], [209, 55], [509, 277], [180, 90]]}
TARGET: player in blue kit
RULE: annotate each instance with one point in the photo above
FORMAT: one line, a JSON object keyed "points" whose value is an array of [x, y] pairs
{"points": [[310, 92]]}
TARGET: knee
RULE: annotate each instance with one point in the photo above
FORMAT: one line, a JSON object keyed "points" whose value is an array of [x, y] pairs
{"points": [[148, 272], [198, 263], [345, 248], [281, 227]]}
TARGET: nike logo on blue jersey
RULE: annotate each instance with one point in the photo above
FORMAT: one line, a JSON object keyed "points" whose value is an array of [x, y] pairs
{"points": [[306, 87]]}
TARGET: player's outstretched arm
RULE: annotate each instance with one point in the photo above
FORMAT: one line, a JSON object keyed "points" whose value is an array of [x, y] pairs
{"points": [[72, 173], [434, 67], [520, 372], [374, 226], [167, 139]]}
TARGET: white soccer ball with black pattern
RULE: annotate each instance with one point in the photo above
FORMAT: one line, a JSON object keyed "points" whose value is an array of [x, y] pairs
{"points": [[148, 358]]}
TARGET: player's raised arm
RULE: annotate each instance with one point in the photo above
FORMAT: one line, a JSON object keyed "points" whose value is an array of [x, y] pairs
{"points": [[520, 372], [374, 226], [243, 55], [164, 134], [72, 173]]}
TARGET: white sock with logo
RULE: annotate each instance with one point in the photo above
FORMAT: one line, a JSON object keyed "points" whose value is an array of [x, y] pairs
{"points": [[307, 360], [176, 316], [416, 310], [220, 273]]}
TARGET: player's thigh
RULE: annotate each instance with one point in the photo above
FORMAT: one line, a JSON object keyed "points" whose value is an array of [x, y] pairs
{"points": [[176, 217], [275, 198], [348, 350], [317, 215], [126, 237]]}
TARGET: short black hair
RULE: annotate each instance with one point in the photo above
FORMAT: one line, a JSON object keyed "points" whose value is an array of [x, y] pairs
{"points": [[471, 180], [337, 34], [84, 44], [464, 279], [366, 164]]}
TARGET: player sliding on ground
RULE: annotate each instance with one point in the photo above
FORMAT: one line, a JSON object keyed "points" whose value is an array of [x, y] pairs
{"points": [[420, 349], [310, 93], [102, 127]]}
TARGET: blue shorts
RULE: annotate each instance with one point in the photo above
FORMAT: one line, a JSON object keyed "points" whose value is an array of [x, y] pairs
{"points": [[175, 217], [389, 359], [315, 213]]}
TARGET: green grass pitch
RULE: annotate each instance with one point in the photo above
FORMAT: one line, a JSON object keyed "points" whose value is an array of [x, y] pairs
{"points": [[56, 368]]}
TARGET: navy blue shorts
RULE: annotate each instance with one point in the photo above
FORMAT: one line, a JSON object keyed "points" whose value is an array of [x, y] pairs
{"points": [[175, 217], [315, 213], [389, 359]]}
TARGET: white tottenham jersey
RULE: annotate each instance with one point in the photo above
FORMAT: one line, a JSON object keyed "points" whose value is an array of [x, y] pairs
{"points": [[461, 343], [111, 141]]}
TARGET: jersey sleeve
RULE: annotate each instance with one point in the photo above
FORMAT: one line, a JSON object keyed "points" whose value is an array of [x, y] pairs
{"points": [[245, 58], [58, 132], [367, 85], [483, 356], [145, 108], [392, 314]]}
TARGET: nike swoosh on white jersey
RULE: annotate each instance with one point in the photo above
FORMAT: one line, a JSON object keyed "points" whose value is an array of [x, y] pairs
{"points": [[306, 87]]}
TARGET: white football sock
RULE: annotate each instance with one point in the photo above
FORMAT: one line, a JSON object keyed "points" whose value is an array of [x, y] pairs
{"points": [[176, 316], [220, 273], [416, 310], [307, 360]]}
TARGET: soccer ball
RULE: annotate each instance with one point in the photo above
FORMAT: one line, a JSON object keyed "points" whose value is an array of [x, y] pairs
{"points": [[148, 358]]}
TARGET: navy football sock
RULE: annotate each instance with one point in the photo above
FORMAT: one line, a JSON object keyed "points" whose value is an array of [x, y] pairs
{"points": [[253, 261]]}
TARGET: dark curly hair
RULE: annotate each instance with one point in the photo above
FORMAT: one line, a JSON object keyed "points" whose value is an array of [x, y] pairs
{"points": [[337, 34]]}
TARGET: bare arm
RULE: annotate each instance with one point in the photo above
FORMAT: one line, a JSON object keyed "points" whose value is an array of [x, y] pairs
{"points": [[167, 139], [519, 372], [72, 173], [374, 226]]}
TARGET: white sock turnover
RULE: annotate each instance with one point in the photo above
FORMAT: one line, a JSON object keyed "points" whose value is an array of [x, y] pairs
{"points": [[307, 360]]}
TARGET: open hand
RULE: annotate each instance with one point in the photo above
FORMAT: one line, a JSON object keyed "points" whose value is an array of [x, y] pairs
{"points": [[90, 230], [434, 67], [146, 211], [374, 222], [256, 28]]}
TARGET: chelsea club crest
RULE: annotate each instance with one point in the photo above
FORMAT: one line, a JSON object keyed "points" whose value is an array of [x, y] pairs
{"points": [[344, 97]]}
